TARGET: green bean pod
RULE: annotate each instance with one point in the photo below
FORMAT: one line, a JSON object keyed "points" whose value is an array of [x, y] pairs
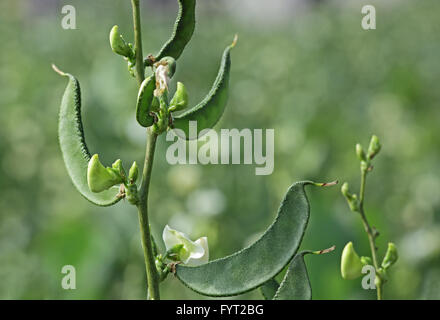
{"points": [[73, 145], [296, 283], [253, 266], [209, 111], [269, 289], [182, 33], [144, 103]]}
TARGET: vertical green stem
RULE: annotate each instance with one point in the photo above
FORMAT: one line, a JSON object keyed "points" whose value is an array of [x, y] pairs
{"points": [[140, 70], [369, 230], [152, 275]]}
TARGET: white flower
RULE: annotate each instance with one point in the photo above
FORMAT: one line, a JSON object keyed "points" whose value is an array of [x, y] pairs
{"points": [[193, 253], [162, 80]]}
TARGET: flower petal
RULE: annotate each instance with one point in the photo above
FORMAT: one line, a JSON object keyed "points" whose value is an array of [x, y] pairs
{"points": [[170, 237], [196, 260], [193, 253]]}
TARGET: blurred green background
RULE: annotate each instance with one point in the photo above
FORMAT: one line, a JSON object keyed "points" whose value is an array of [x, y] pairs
{"points": [[304, 68]]}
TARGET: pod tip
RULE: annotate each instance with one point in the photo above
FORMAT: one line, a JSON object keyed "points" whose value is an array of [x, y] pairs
{"points": [[55, 68], [325, 250], [234, 42], [327, 184]]}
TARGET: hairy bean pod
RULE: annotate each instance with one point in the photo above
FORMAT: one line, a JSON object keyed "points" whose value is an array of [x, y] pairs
{"points": [[182, 33], [296, 283], [269, 289], [209, 111], [144, 103], [251, 267], [73, 145]]}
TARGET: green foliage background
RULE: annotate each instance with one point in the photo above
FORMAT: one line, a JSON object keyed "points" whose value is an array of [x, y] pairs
{"points": [[316, 77]]}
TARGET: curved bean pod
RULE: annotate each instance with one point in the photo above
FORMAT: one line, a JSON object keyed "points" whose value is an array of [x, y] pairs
{"points": [[182, 33], [73, 145], [251, 267], [144, 102], [209, 111], [296, 283]]}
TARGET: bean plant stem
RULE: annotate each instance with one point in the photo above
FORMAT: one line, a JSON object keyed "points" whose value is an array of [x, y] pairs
{"points": [[152, 275], [140, 70], [369, 230]]}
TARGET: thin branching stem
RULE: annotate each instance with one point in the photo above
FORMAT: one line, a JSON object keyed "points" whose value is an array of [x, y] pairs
{"points": [[370, 233], [152, 275]]}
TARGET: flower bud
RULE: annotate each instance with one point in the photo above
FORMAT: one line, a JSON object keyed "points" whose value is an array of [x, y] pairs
{"points": [[366, 261], [118, 44], [180, 98], [353, 203], [132, 194], [133, 172], [119, 169], [360, 153], [391, 256], [374, 147], [365, 167], [352, 199], [344, 190], [351, 265], [100, 178]]}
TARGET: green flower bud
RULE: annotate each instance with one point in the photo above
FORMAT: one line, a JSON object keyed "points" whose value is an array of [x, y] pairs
{"points": [[366, 261], [391, 256], [159, 264], [180, 98], [351, 265], [118, 44], [132, 194], [360, 153], [100, 178], [133, 172], [374, 147], [352, 199], [119, 169], [344, 190], [353, 203], [364, 166]]}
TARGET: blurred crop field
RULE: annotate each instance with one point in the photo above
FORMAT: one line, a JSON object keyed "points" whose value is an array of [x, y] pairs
{"points": [[303, 68]]}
